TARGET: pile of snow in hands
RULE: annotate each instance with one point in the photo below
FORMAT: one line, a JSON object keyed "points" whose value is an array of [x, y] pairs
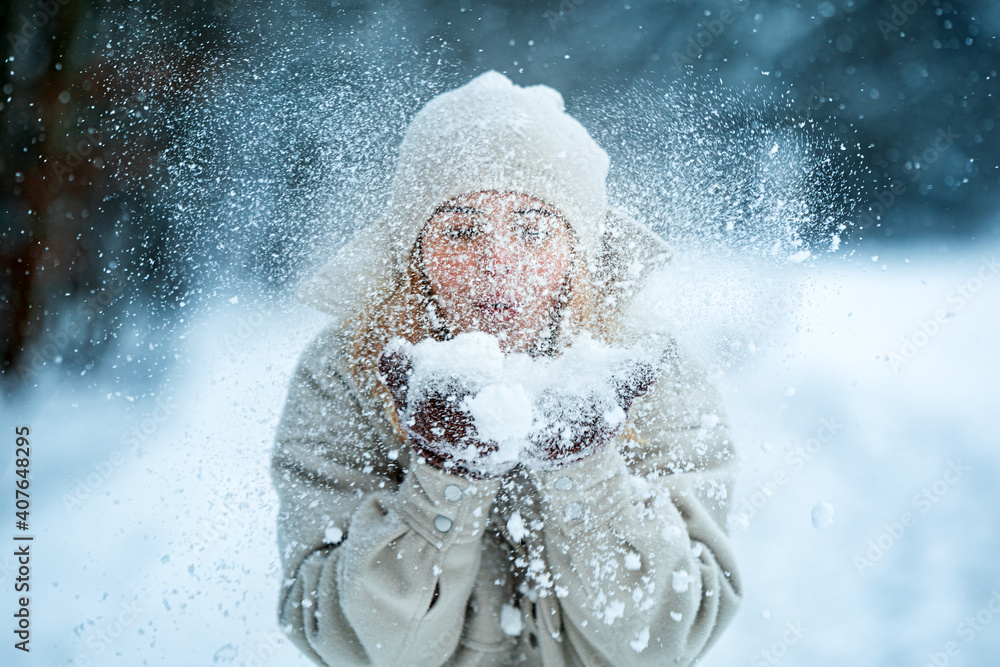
{"points": [[515, 396]]}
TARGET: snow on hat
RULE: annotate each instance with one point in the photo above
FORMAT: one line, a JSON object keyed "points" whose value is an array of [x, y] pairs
{"points": [[489, 134]]}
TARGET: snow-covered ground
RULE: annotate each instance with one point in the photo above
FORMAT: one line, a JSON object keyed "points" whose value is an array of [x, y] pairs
{"points": [[866, 520], [906, 574]]}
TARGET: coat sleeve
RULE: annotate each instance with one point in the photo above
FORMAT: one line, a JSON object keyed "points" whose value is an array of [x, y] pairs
{"points": [[636, 539], [378, 566]]}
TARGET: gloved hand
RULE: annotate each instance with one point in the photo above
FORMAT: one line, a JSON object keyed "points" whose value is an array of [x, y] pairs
{"points": [[439, 430], [576, 426]]}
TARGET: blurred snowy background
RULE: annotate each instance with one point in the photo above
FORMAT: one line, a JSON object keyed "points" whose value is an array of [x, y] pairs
{"points": [[171, 171]]}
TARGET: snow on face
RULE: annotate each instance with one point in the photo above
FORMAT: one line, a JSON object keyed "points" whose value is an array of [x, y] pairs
{"points": [[504, 394], [497, 262]]}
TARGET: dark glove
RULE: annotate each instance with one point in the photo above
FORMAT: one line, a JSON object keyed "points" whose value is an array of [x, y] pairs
{"points": [[439, 430], [575, 426]]}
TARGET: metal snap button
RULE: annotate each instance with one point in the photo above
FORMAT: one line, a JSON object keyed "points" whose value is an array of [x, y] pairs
{"points": [[573, 511], [442, 523]]}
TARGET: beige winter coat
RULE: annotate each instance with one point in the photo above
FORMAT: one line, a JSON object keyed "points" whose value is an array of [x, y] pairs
{"points": [[620, 559]]}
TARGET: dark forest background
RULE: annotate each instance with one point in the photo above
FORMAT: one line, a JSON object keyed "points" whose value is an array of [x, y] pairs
{"points": [[95, 94]]}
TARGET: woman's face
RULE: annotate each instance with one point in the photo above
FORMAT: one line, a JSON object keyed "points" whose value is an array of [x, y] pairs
{"points": [[496, 262]]}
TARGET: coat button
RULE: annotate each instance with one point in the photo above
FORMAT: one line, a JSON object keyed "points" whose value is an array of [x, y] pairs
{"points": [[442, 523], [453, 493], [564, 484], [573, 511]]}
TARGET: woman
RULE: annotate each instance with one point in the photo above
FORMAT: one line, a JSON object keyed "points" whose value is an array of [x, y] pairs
{"points": [[604, 545]]}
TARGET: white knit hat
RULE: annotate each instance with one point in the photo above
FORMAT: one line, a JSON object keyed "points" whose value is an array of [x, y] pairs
{"points": [[488, 135]]}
